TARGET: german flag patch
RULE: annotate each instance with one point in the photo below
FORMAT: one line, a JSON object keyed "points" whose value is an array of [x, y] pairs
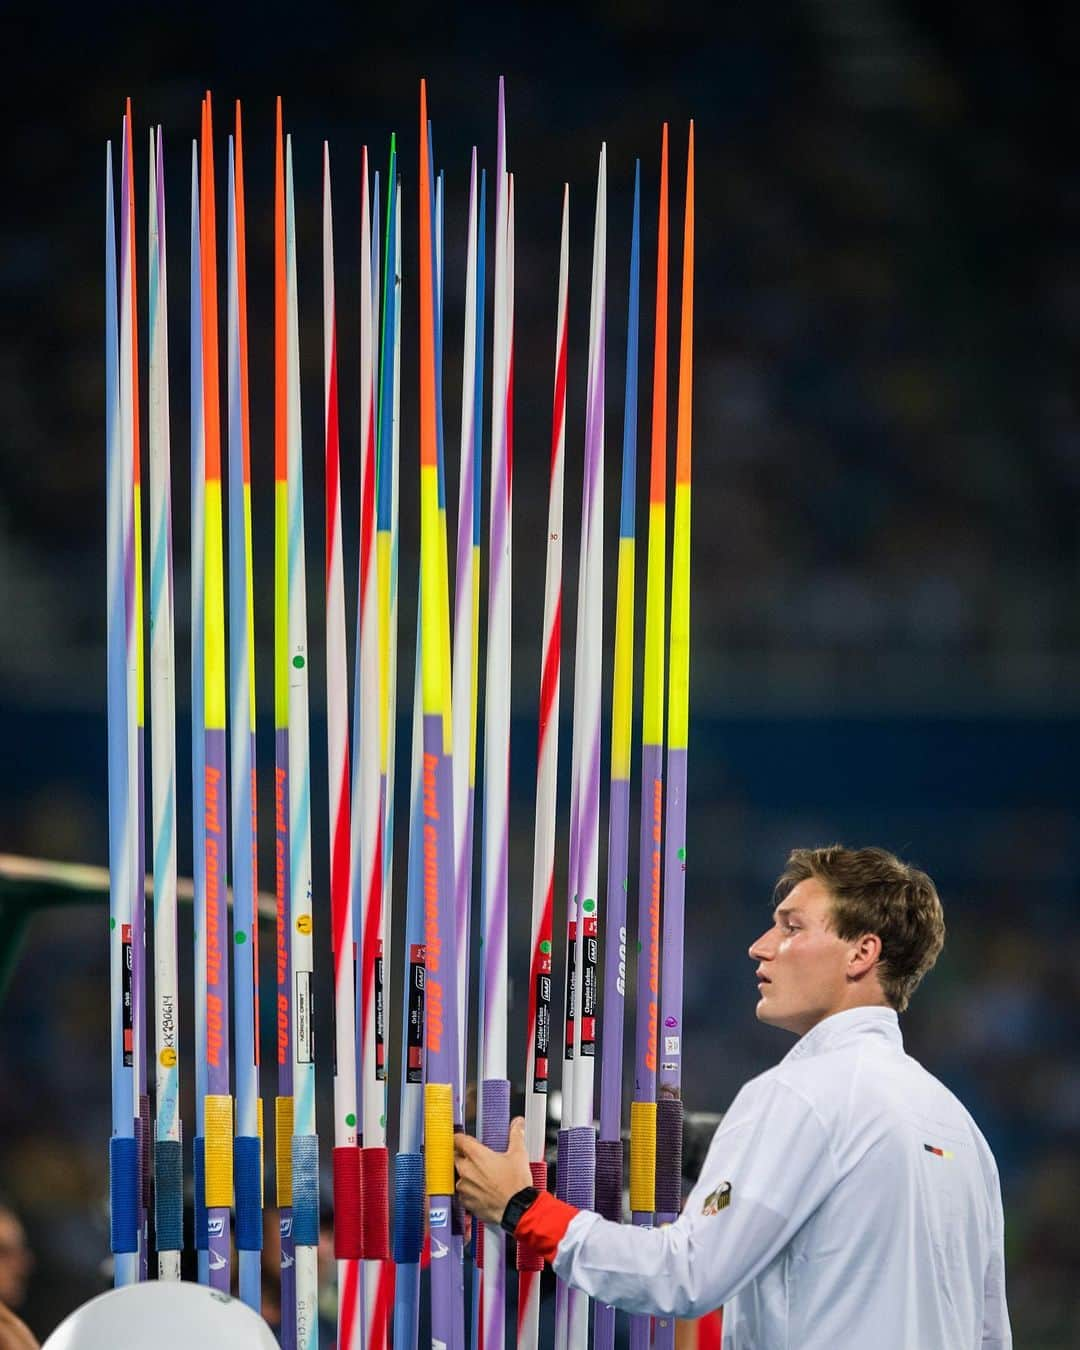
{"points": [[937, 1152]]}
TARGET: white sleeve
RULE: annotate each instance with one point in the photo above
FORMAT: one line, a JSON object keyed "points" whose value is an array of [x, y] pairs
{"points": [[770, 1160], [997, 1333]]}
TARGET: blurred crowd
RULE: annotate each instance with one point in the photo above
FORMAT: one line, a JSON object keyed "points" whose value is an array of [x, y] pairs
{"points": [[886, 425]]}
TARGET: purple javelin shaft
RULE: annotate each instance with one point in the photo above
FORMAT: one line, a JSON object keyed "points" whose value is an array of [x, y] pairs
{"points": [[648, 982], [440, 998], [284, 1015], [217, 992]]}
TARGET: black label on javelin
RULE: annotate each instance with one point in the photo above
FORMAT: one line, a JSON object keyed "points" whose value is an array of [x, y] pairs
{"points": [[542, 1037], [414, 1069], [571, 979], [380, 1047], [590, 945], [129, 1008]]}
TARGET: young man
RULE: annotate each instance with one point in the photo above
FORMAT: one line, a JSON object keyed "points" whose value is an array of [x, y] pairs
{"points": [[847, 1199]]}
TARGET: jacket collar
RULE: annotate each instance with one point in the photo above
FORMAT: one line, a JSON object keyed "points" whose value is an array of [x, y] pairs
{"points": [[843, 1028]]}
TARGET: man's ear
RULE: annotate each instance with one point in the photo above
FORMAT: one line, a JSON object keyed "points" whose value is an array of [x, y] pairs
{"points": [[864, 955]]}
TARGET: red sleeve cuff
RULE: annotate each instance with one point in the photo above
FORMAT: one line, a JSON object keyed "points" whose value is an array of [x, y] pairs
{"points": [[544, 1223]]}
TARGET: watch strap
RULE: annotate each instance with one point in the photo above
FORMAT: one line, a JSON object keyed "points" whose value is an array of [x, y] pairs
{"points": [[516, 1207]]}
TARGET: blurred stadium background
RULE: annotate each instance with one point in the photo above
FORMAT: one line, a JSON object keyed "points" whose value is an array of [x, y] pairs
{"points": [[886, 601]]}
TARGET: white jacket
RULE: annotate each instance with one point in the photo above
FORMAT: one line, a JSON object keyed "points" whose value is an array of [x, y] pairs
{"points": [[847, 1200]]}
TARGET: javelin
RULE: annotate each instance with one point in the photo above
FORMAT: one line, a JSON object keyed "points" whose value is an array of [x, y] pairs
{"points": [[218, 1105], [168, 1156], [493, 1096], [387, 553], [609, 1156], [198, 738], [562, 1293], [283, 1105], [129, 412], [538, 1030], [409, 1214], [248, 1142], [367, 818], [457, 1234], [386, 472], [446, 779], [643, 1107], [386, 509], [466, 655], [442, 1107], [305, 1140], [387, 513], [123, 1157], [669, 1112], [467, 586], [346, 1156], [409, 1162], [581, 1142], [465, 675]]}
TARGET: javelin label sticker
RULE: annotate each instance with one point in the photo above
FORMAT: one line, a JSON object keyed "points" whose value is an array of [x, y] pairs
{"points": [[380, 1049], [414, 1068], [129, 1012], [571, 980], [588, 986], [305, 1049], [542, 1036]]}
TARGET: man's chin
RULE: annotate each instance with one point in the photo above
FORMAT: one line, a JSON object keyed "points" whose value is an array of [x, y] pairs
{"points": [[771, 1016]]}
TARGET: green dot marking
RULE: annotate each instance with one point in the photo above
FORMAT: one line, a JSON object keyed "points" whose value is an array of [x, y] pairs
{"points": [[626, 884], [545, 947], [112, 924], [589, 906], [682, 855], [241, 938], [639, 949], [350, 1120], [298, 662], [382, 1121]]}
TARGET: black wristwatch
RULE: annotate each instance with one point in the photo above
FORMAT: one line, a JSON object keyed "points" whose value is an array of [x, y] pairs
{"points": [[516, 1207]]}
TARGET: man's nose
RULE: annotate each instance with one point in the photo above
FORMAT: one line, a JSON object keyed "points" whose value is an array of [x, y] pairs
{"points": [[760, 950]]}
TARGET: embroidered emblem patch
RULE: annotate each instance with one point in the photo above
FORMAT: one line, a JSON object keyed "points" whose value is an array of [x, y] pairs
{"points": [[718, 1199], [937, 1152]]}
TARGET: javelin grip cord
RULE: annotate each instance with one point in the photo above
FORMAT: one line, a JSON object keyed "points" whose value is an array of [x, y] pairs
{"points": [[247, 1165], [348, 1204], [609, 1179], [124, 1193], [375, 1170], [408, 1208], [169, 1195], [669, 1143], [305, 1189], [528, 1258], [643, 1157], [580, 1166], [198, 1167]]}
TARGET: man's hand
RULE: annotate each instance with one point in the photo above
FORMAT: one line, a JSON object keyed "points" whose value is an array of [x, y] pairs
{"points": [[486, 1179]]}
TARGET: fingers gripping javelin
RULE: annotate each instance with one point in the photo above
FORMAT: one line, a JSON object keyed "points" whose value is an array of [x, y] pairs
{"points": [[485, 1179]]}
